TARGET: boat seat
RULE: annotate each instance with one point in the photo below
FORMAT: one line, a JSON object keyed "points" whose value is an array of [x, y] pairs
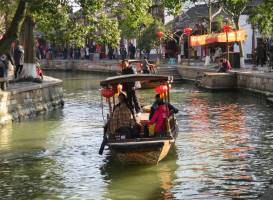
{"points": [[143, 118]]}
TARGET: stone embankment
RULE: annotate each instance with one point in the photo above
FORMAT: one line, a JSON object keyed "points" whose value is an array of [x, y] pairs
{"points": [[246, 79], [103, 66], [110, 66], [24, 100]]}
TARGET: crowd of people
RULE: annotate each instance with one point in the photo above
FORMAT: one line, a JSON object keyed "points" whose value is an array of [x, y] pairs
{"points": [[87, 52]]}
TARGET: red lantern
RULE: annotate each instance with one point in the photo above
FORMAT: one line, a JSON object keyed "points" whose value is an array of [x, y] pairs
{"points": [[227, 28], [159, 35], [187, 31], [107, 92], [161, 89], [158, 89]]}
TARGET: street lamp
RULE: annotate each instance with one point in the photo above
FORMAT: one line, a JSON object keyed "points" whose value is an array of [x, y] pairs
{"points": [[188, 31], [227, 29]]}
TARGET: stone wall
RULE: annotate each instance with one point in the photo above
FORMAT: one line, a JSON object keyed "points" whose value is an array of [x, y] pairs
{"points": [[256, 82], [81, 65], [191, 73], [27, 99]]}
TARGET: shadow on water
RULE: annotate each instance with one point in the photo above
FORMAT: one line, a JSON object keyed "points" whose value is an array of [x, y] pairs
{"points": [[140, 182]]}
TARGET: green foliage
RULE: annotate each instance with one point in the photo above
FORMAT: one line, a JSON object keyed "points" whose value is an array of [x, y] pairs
{"points": [[235, 8], [262, 18], [7, 9], [148, 39], [173, 7]]}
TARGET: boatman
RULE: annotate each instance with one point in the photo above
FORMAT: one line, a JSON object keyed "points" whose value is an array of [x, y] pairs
{"points": [[129, 87]]}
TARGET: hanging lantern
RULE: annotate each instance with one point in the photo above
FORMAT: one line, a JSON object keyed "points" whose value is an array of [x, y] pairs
{"points": [[187, 31], [159, 35], [158, 89], [227, 28], [107, 92], [161, 89]]}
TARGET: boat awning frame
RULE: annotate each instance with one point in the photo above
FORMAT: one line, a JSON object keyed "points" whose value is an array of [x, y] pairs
{"points": [[136, 77]]}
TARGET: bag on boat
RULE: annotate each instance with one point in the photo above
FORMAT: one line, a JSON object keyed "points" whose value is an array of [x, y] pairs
{"points": [[151, 130]]}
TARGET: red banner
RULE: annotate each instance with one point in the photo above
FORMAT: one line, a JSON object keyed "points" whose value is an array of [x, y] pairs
{"points": [[233, 36]]}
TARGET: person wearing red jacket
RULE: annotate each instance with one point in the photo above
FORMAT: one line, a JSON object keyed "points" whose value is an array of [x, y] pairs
{"points": [[225, 67], [159, 118]]}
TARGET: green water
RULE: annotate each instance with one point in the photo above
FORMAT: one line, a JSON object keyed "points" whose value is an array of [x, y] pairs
{"points": [[223, 151]]}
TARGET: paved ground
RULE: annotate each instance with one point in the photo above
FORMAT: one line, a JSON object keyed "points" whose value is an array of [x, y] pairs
{"points": [[23, 86]]}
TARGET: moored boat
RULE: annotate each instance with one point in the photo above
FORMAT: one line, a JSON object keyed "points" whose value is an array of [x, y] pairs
{"points": [[142, 149]]}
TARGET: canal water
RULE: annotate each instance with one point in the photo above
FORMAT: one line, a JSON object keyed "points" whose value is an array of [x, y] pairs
{"points": [[224, 150]]}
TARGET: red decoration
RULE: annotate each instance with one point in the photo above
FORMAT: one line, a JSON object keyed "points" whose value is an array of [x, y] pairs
{"points": [[98, 46], [159, 34], [187, 31], [227, 28], [107, 93], [161, 89], [39, 71]]}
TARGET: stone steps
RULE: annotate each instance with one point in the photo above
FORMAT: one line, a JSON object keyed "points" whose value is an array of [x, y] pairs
{"points": [[170, 71]]}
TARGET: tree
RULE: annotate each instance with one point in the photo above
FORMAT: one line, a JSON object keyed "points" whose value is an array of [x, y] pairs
{"points": [[148, 39], [211, 15], [53, 17], [13, 30], [262, 18], [235, 8]]}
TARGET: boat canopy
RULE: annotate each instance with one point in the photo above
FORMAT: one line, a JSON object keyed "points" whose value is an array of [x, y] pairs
{"points": [[135, 77]]}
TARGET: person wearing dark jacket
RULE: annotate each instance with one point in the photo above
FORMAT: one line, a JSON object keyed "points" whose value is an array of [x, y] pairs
{"points": [[132, 50], [129, 87], [159, 101], [18, 57]]}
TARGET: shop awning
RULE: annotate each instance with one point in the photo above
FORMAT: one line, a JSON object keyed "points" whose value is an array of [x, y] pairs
{"points": [[233, 36]]}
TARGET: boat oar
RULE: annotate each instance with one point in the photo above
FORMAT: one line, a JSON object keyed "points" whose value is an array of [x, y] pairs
{"points": [[103, 141]]}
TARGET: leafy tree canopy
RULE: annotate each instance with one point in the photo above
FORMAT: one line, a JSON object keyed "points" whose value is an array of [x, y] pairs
{"points": [[262, 18], [148, 39]]}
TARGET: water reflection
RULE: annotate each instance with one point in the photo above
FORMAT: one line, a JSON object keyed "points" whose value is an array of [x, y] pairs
{"points": [[140, 182]]}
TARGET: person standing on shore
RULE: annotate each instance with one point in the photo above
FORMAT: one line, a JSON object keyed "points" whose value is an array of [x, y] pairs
{"points": [[17, 52], [132, 51]]}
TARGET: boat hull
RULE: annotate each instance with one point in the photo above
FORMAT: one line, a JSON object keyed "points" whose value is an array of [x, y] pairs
{"points": [[142, 152]]}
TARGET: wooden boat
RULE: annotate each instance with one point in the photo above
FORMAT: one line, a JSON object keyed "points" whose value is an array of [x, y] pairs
{"points": [[140, 150]]}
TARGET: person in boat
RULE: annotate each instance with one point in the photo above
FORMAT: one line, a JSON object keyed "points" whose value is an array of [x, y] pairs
{"points": [[159, 118], [129, 87], [225, 65], [146, 68], [159, 101], [122, 115]]}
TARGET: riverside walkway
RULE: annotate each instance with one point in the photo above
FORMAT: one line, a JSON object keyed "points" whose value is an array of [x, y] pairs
{"points": [[27, 99]]}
